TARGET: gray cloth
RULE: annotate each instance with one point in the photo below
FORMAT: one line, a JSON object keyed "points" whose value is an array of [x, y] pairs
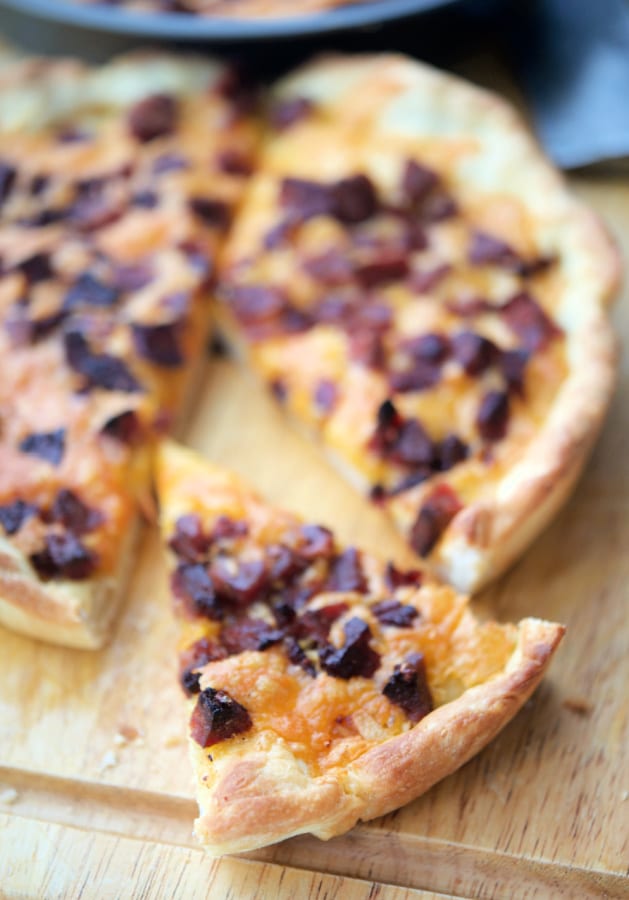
{"points": [[574, 67]]}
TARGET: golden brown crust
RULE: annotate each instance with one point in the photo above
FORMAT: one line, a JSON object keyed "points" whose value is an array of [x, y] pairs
{"points": [[324, 752], [265, 799]]}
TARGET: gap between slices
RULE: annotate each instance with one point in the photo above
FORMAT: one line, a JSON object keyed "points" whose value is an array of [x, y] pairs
{"points": [[324, 685]]}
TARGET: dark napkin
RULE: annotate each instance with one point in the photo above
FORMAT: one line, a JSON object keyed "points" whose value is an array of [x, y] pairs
{"points": [[572, 58]]}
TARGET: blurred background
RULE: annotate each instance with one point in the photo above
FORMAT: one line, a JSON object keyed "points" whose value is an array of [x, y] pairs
{"points": [[565, 61]]}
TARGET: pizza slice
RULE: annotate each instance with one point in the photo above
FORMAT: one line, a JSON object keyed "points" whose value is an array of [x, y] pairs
{"points": [[324, 686], [417, 286], [116, 187]]}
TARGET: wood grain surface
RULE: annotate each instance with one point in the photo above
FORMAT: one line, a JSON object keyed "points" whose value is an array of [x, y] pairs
{"points": [[94, 781]]}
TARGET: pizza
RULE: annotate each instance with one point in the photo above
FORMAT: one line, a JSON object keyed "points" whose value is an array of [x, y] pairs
{"points": [[417, 286], [230, 9], [116, 187], [324, 685]]}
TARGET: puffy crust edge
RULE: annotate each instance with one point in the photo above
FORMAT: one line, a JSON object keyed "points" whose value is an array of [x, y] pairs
{"points": [[268, 796], [69, 613]]}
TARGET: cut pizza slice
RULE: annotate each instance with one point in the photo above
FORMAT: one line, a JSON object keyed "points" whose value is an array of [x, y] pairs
{"points": [[116, 187], [416, 284], [324, 686]]}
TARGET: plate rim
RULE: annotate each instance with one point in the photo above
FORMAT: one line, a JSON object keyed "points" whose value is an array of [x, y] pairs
{"points": [[176, 26]]}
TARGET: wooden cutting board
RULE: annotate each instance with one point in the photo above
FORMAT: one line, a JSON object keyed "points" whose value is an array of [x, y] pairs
{"points": [[95, 788]]}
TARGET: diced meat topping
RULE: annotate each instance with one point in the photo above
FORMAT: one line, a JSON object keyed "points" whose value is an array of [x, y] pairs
{"points": [[195, 657], [356, 658], [474, 352], [213, 213], [88, 290], [70, 511], [249, 634], [392, 612], [189, 541], [289, 111], [124, 427], [100, 370], [36, 268], [217, 717], [243, 584], [192, 584], [153, 117], [408, 688], [436, 513], [47, 445], [8, 174], [14, 515], [529, 322], [159, 344], [346, 573], [351, 200], [64, 556], [492, 419], [396, 578]]}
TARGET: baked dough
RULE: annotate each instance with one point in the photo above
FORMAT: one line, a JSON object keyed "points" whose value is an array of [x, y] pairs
{"points": [[418, 286], [116, 186], [309, 733]]}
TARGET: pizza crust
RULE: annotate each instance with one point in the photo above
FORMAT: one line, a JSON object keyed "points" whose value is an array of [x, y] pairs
{"points": [[268, 796]]}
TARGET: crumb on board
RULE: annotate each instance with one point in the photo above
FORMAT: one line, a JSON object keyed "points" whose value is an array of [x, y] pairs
{"points": [[173, 740], [8, 796], [126, 734], [109, 761], [578, 705]]}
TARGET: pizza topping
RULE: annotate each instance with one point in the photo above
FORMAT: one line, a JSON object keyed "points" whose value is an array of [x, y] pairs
{"points": [[249, 634], [153, 117], [430, 348], [253, 303], [145, 199], [70, 511], [289, 111], [450, 452], [326, 395], [529, 322], [48, 445], [298, 657], [418, 182], [408, 688], [331, 268], [351, 200], [314, 625], [191, 583], [214, 213], [473, 352], [194, 657], [8, 174], [233, 162], [124, 427], [159, 343], [512, 365], [392, 612], [356, 658], [90, 291], [14, 515], [217, 717], [315, 541], [387, 266], [424, 281], [395, 578], [36, 268], [100, 370], [421, 376], [436, 513], [170, 162], [485, 249], [189, 541], [64, 556], [243, 583], [493, 416], [93, 209], [346, 572]]}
